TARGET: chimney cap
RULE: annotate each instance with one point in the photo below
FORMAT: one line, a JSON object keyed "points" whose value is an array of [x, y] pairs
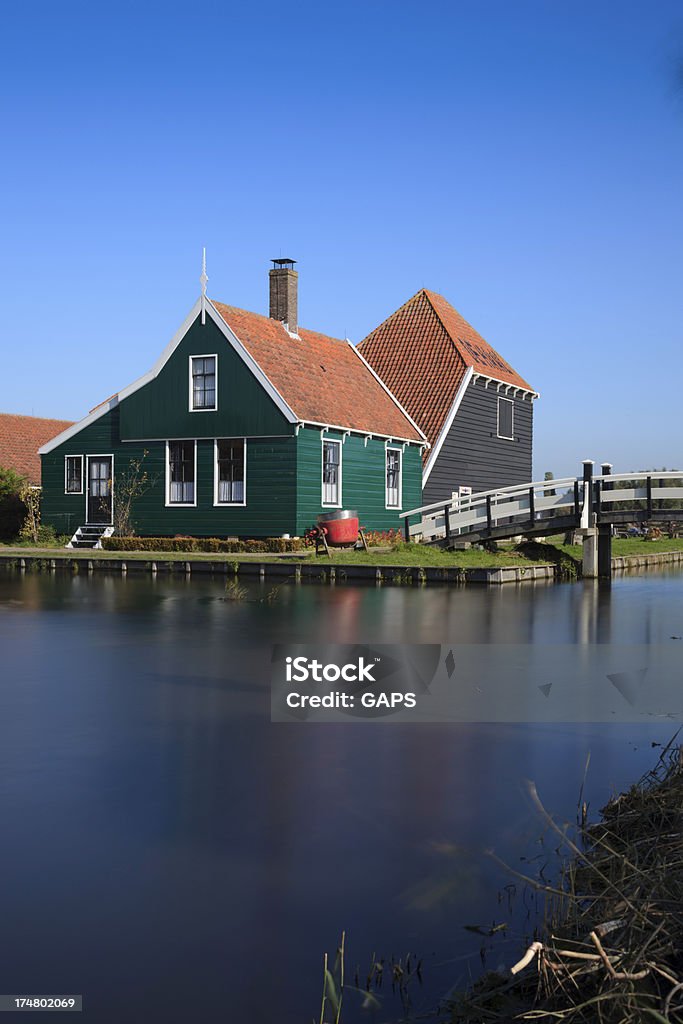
{"points": [[283, 264]]}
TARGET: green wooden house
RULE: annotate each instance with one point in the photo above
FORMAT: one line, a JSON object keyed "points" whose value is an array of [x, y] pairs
{"points": [[246, 426]]}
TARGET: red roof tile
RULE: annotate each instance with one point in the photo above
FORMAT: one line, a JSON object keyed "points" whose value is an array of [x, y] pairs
{"points": [[422, 352], [321, 379], [20, 439]]}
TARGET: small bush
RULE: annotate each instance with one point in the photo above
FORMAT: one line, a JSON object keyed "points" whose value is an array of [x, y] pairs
{"points": [[384, 538], [206, 545], [12, 508]]}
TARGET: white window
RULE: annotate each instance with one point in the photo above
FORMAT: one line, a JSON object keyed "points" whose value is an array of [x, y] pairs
{"points": [[73, 474], [505, 418], [203, 380], [394, 478], [332, 488], [230, 475], [181, 472]]}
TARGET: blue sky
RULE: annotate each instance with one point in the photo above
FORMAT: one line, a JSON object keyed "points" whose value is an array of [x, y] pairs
{"points": [[525, 160]]}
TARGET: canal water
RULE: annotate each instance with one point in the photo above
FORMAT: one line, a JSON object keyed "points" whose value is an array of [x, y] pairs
{"points": [[170, 854]]}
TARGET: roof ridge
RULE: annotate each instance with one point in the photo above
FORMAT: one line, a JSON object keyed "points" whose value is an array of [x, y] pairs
{"points": [[270, 319], [420, 291], [456, 341]]}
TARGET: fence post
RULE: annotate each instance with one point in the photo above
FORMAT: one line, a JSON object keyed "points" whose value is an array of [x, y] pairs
{"points": [[447, 522], [532, 505], [489, 516], [406, 529]]}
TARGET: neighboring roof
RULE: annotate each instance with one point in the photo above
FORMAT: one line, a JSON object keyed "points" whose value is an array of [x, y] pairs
{"points": [[20, 439], [323, 380], [423, 351]]}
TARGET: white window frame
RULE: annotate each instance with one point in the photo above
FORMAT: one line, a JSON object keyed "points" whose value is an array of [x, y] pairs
{"points": [[86, 482], [339, 502], [66, 474], [180, 504], [393, 448], [506, 437], [216, 481], [204, 408]]}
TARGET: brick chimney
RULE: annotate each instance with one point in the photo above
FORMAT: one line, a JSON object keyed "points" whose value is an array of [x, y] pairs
{"points": [[283, 293]]}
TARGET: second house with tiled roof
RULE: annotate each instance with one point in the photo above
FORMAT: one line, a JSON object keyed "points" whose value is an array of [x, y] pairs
{"points": [[475, 410], [246, 426]]}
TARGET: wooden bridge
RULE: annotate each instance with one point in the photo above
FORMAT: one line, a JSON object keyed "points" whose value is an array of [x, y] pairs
{"points": [[595, 505]]}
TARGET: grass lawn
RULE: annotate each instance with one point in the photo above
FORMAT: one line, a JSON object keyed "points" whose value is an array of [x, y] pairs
{"points": [[418, 554], [630, 546], [405, 554]]}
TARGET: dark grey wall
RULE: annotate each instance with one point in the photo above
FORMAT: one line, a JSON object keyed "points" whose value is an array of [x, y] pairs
{"points": [[473, 455]]}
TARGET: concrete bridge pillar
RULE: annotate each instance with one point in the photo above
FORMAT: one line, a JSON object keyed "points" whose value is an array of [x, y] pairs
{"points": [[589, 539]]}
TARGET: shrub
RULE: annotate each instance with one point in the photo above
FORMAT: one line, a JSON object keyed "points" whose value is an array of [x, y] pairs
{"points": [[12, 508], [384, 538], [210, 545]]}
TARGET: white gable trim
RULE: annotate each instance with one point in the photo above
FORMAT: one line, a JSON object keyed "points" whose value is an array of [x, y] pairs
{"points": [[443, 434], [506, 384], [236, 344], [383, 385]]}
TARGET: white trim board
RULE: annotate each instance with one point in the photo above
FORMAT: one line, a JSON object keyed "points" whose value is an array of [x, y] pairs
{"points": [[448, 423], [479, 375]]}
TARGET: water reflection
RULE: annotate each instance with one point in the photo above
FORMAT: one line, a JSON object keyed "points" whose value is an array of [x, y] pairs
{"points": [[162, 840]]}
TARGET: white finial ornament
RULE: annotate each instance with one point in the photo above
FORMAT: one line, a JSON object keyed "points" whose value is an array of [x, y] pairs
{"points": [[202, 280]]}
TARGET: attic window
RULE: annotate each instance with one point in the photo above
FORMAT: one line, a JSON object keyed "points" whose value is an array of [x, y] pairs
{"points": [[203, 383], [505, 418]]}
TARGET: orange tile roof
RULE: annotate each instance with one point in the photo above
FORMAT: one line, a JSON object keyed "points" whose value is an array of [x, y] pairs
{"points": [[321, 379], [20, 439], [422, 352]]}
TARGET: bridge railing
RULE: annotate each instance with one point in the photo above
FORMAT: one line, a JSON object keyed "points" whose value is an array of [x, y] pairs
{"points": [[647, 491], [486, 509]]}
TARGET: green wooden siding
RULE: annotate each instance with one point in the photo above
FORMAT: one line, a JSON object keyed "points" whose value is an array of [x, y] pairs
{"points": [[160, 409], [363, 479], [271, 480]]}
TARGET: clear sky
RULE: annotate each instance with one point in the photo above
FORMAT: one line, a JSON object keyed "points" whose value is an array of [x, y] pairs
{"points": [[523, 159]]}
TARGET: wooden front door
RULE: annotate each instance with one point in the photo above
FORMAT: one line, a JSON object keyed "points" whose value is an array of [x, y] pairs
{"points": [[99, 489]]}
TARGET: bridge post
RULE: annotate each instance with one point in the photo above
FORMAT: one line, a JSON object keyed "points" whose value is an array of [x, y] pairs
{"points": [[406, 529], [605, 532], [447, 522], [588, 531]]}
